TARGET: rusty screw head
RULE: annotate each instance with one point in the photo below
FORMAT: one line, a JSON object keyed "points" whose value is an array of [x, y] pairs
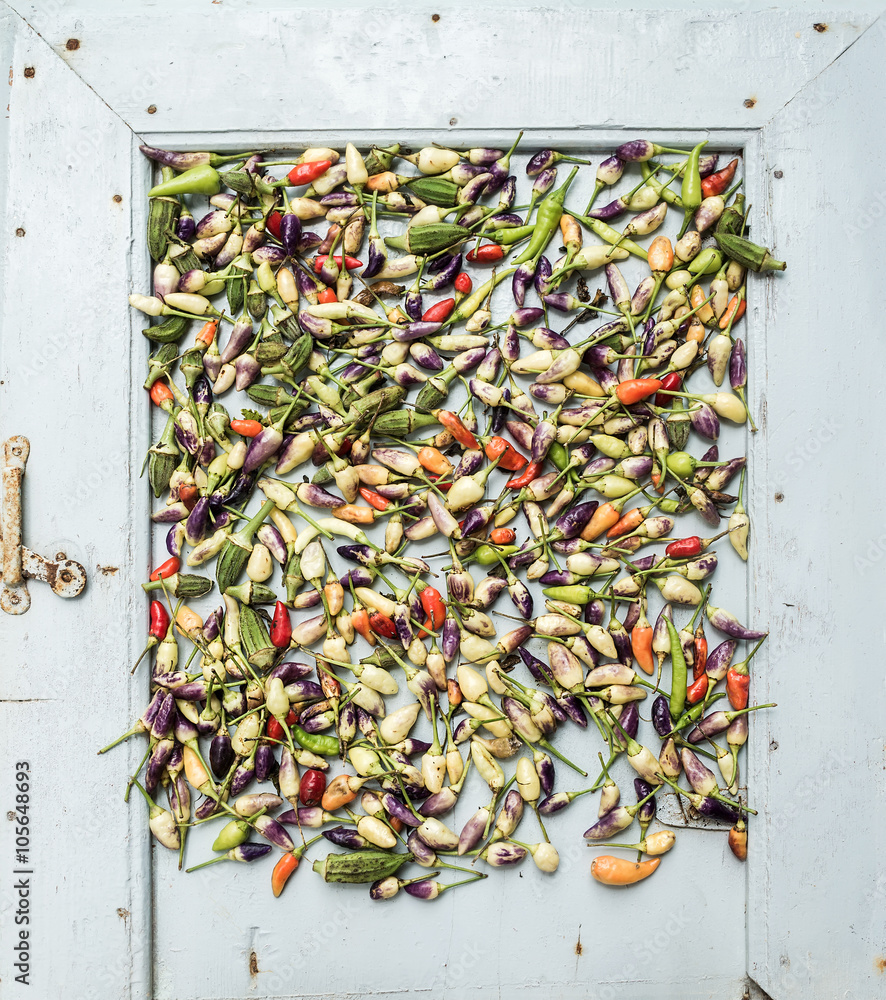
{"points": [[72, 44], [30, 72]]}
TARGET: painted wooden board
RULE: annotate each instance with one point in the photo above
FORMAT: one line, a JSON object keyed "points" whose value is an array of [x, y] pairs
{"points": [[65, 359]]}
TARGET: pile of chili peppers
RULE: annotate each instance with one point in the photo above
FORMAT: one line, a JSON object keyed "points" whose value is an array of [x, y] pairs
{"points": [[383, 413]]}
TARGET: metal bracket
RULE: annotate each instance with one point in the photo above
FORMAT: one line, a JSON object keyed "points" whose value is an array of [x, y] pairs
{"points": [[66, 577]]}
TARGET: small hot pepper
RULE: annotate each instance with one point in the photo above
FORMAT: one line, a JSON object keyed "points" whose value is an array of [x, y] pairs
{"points": [[486, 253], [327, 295], [463, 284], [312, 787], [619, 871], [718, 182], [167, 569], [738, 680], [373, 498], [678, 672], [439, 311], [632, 390], [511, 459], [382, 625], [158, 629], [247, 428], [350, 263], [453, 423], [434, 606], [275, 731], [697, 689], [530, 472], [281, 627], [502, 536], [304, 173]]}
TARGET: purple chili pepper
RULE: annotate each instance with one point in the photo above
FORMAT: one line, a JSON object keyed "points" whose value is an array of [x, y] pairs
{"points": [[487, 591], [647, 810], [221, 754], [573, 522], [265, 255], [359, 577], [521, 432], [174, 539], [265, 762], [415, 331], [197, 523], [247, 370], [538, 668], [450, 639], [164, 720], [346, 836], [425, 356], [208, 807], [544, 768], [240, 337], [629, 720], [521, 280], [705, 421], [160, 754], [212, 625], [185, 228], [543, 272], [445, 270]]}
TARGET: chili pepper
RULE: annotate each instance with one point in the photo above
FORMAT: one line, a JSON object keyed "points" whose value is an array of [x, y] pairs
{"points": [[161, 395], [697, 689], [166, 569], [281, 627], [678, 672], [671, 381], [635, 389], [502, 536], [327, 295], [454, 424], [275, 730], [282, 870], [350, 263], [382, 625], [463, 283], [159, 626], [734, 311], [434, 461], [509, 457], [717, 183], [641, 643], [738, 840], [701, 652], [373, 498], [202, 179], [526, 476], [619, 871], [247, 428], [439, 311], [486, 253], [305, 173], [313, 785], [738, 680], [547, 221]]}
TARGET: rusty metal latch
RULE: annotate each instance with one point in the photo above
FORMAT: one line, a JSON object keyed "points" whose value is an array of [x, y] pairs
{"points": [[66, 577]]}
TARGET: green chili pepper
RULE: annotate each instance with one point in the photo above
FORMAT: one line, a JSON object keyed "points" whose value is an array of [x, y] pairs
{"points": [[611, 235], [486, 555], [324, 746], [575, 594], [508, 236], [678, 673], [547, 219], [469, 305], [664, 192], [690, 192], [198, 180], [558, 454], [707, 262]]}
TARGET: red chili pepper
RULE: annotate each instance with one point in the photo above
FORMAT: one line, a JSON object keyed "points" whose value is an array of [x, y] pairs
{"points": [[382, 625], [718, 182], [167, 569], [463, 283], [453, 423], [701, 652], [345, 447], [275, 730], [327, 295], [532, 471], [313, 785], [273, 224], [159, 620], [350, 262], [189, 495], [488, 252], [511, 459], [632, 390], [281, 626], [304, 173], [684, 547], [434, 606], [160, 392], [439, 311], [697, 690], [375, 499], [502, 536], [672, 381], [247, 428], [737, 685]]}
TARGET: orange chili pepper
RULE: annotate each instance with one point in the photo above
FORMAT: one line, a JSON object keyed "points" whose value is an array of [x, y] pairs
{"points": [[360, 621], [376, 499], [160, 393], [207, 333], [641, 645], [327, 295], [338, 793], [736, 307], [632, 390], [660, 255], [511, 459], [620, 871], [395, 823], [434, 461], [247, 428], [626, 523], [453, 423], [737, 684], [502, 536], [167, 569], [706, 313], [354, 514], [603, 518], [695, 331], [282, 870]]}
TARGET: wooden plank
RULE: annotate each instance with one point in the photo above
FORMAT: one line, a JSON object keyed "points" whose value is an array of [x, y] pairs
{"points": [[64, 383], [817, 903], [504, 66]]}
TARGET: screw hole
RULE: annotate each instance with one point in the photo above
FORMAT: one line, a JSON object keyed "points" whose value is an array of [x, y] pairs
{"points": [[453, 121], [72, 44], [820, 26], [118, 198], [779, 497], [19, 231], [30, 72], [750, 102], [152, 109], [435, 18], [778, 174]]}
